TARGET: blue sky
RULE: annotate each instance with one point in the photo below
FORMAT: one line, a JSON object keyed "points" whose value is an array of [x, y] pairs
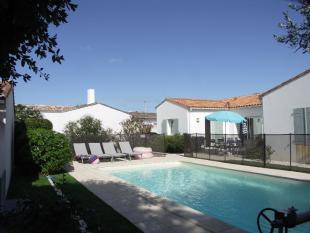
{"points": [[146, 50]]}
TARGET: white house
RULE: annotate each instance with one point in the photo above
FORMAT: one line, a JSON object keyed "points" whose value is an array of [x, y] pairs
{"points": [[6, 137], [179, 115], [286, 107], [60, 115]]}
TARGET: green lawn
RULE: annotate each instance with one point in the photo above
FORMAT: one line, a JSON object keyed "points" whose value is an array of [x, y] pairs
{"points": [[98, 215]]}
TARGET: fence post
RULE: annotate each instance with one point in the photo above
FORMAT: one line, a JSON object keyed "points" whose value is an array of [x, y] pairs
{"points": [[196, 145], [290, 151], [210, 151], [164, 149], [264, 147]]}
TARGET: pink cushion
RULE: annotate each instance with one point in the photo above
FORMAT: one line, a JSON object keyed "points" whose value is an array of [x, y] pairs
{"points": [[145, 151]]}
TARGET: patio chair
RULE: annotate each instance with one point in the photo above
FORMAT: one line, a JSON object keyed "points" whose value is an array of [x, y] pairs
{"points": [[95, 149], [126, 149], [80, 151], [109, 149]]}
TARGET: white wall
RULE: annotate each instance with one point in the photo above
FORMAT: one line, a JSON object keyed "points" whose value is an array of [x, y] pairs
{"points": [[6, 140], [188, 118], [110, 118], [253, 112], [200, 126], [231, 128], [278, 106], [167, 111]]}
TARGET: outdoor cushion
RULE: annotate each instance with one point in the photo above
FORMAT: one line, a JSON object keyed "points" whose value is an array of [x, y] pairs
{"points": [[145, 151]]}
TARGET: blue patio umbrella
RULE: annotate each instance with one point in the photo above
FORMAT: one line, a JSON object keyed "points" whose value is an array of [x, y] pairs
{"points": [[226, 116]]}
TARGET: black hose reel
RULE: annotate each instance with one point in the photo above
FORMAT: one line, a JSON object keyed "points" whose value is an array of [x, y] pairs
{"points": [[283, 220]]}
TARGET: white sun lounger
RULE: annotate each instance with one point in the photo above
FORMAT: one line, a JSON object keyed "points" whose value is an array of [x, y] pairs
{"points": [[109, 149], [95, 149], [126, 149], [80, 151]]}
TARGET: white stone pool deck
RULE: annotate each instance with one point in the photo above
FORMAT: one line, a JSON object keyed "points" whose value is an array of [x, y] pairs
{"points": [[150, 212]]}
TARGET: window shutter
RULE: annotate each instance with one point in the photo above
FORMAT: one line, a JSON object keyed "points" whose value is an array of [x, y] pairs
{"points": [[299, 121], [299, 125], [164, 127], [175, 126], [307, 121]]}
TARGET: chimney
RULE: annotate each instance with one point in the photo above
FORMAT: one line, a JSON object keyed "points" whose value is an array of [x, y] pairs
{"points": [[91, 96]]}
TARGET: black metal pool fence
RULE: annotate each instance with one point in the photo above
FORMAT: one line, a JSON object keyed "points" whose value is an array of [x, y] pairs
{"points": [[281, 151]]}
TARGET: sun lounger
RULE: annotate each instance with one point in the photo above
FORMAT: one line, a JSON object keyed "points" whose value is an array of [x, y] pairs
{"points": [[80, 151], [109, 149], [126, 149], [95, 149]]}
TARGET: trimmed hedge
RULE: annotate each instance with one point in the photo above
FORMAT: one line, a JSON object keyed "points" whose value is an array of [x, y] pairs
{"points": [[174, 143], [49, 150], [35, 123]]}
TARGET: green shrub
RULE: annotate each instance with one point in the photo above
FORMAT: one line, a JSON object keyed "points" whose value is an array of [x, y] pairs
{"points": [[254, 149], [50, 151], [34, 123], [22, 152], [174, 144]]}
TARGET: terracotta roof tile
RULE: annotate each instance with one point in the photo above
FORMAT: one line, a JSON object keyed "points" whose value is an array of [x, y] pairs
{"points": [[144, 115], [61, 108], [235, 102], [51, 108]]}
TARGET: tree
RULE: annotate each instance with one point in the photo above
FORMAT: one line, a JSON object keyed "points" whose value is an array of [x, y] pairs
{"points": [[23, 112], [24, 30], [297, 33], [87, 127], [134, 125]]}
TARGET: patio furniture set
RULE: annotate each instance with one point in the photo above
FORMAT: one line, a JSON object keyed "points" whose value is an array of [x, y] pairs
{"points": [[219, 146], [109, 152]]}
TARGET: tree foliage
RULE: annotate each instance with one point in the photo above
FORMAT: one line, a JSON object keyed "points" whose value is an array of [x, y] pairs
{"points": [[134, 125], [297, 33], [25, 36], [50, 150], [23, 112], [86, 127]]}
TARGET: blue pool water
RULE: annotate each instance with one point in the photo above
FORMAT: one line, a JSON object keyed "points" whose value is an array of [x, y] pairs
{"points": [[231, 196]]}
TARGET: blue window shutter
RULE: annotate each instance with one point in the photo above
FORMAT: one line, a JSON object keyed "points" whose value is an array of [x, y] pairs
{"points": [[299, 121], [164, 127], [299, 125], [175, 126], [307, 120]]}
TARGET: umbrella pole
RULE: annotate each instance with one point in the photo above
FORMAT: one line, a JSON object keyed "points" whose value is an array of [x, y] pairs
{"points": [[225, 132], [225, 136]]}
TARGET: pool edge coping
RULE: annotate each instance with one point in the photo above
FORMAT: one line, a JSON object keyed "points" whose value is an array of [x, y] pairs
{"points": [[196, 219]]}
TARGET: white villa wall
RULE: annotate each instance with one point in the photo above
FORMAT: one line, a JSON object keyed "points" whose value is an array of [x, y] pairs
{"points": [[110, 117], [254, 112], [188, 118], [6, 141], [200, 127], [278, 106], [167, 111]]}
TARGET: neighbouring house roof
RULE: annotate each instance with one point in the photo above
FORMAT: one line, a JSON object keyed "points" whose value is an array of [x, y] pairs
{"points": [[144, 115], [234, 102], [60, 108], [5, 88], [301, 75]]}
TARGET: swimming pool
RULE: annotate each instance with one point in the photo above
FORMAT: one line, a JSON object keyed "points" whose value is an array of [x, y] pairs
{"points": [[231, 196]]}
